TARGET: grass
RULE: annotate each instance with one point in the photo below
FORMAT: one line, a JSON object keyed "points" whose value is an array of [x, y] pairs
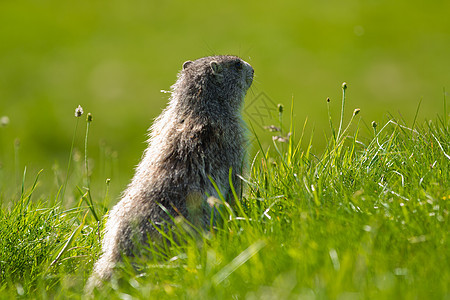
{"points": [[367, 218]]}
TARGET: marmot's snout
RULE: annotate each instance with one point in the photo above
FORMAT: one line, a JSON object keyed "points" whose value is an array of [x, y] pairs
{"points": [[249, 74]]}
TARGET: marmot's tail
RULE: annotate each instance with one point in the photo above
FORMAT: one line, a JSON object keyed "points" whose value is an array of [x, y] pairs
{"points": [[102, 272]]}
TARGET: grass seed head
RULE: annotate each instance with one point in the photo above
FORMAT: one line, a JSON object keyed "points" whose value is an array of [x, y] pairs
{"points": [[78, 111], [4, 121], [280, 108]]}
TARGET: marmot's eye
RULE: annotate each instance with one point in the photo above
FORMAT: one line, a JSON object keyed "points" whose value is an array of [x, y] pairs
{"points": [[238, 64]]}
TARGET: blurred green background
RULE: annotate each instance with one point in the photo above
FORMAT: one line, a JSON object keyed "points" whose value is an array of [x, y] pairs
{"points": [[114, 57]]}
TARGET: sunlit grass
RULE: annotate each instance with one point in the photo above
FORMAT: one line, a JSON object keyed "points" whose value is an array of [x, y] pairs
{"points": [[366, 218]]}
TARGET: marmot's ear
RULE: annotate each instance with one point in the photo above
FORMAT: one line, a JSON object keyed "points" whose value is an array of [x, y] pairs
{"points": [[186, 64], [215, 67]]}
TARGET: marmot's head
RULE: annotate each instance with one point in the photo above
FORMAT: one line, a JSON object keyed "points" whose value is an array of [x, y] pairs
{"points": [[213, 82]]}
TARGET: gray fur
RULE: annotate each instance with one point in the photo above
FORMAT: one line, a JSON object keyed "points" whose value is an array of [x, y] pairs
{"points": [[199, 134]]}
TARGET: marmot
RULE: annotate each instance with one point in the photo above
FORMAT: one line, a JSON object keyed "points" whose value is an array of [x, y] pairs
{"points": [[200, 134]]}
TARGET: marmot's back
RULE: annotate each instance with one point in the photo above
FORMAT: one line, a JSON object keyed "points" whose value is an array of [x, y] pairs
{"points": [[200, 134]]}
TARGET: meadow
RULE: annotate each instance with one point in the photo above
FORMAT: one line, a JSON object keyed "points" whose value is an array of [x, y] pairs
{"points": [[352, 205]]}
